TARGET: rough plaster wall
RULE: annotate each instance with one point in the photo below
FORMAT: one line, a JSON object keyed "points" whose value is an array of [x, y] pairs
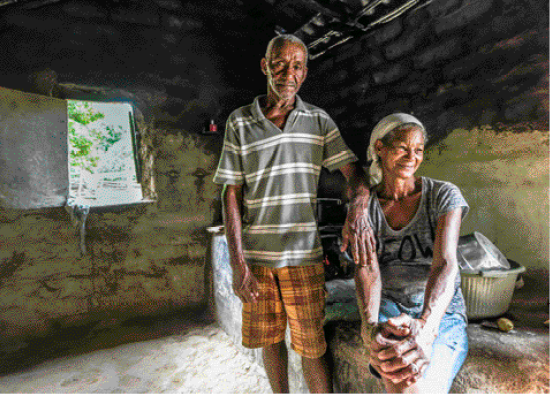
{"points": [[141, 261], [504, 177], [144, 261]]}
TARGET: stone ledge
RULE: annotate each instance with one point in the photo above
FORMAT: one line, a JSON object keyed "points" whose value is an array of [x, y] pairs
{"points": [[497, 362]]}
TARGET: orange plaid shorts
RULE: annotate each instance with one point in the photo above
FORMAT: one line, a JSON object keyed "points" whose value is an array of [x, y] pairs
{"points": [[294, 293]]}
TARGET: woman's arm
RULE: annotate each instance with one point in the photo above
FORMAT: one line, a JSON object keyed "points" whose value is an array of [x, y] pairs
{"points": [[440, 287], [414, 352], [377, 338], [368, 288]]}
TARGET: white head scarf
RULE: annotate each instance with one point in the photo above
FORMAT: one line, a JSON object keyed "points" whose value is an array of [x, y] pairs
{"points": [[383, 127]]}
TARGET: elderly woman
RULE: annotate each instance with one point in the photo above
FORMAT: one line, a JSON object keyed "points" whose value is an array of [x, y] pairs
{"points": [[412, 308]]}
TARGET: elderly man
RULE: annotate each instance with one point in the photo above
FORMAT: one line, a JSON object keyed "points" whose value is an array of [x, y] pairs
{"points": [[270, 165]]}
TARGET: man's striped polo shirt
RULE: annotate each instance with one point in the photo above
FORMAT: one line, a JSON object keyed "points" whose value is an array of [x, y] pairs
{"points": [[279, 171]]}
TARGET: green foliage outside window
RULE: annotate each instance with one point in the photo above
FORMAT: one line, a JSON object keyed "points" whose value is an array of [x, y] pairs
{"points": [[101, 155], [81, 146]]}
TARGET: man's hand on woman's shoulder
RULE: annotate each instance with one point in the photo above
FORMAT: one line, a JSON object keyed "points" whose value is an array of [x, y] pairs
{"points": [[357, 233]]}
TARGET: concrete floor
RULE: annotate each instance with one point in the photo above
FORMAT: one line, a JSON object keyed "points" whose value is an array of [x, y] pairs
{"points": [[193, 356], [189, 353]]}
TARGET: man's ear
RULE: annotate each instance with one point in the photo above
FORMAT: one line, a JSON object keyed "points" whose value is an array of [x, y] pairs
{"points": [[378, 147], [263, 65]]}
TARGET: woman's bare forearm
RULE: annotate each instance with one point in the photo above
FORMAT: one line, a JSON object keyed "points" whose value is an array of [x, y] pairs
{"points": [[368, 287], [441, 282], [438, 295]]}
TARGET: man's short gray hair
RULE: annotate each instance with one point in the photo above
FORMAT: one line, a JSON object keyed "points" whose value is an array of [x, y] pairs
{"points": [[278, 40]]}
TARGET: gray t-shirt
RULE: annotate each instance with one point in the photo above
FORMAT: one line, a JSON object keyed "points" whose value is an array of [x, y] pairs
{"points": [[405, 255]]}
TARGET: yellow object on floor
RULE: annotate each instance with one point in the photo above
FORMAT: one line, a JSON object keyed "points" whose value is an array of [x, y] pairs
{"points": [[505, 324]]}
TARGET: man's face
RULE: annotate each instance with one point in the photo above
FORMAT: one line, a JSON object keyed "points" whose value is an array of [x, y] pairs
{"points": [[285, 70]]}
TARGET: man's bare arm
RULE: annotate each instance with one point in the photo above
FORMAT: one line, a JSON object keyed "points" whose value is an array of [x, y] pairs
{"points": [[244, 282], [357, 231]]}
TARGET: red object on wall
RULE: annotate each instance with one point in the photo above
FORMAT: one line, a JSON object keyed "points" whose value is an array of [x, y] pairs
{"points": [[213, 128]]}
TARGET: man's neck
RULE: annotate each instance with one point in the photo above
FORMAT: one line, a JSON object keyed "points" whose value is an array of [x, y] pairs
{"points": [[274, 102], [277, 110]]}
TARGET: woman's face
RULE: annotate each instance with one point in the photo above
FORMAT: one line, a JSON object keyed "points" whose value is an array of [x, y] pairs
{"points": [[403, 155]]}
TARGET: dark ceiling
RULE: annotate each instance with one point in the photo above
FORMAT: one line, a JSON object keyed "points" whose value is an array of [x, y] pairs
{"points": [[321, 24], [324, 24]]}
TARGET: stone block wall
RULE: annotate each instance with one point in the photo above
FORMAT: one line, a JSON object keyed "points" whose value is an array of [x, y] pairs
{"points": [[452, 63]]}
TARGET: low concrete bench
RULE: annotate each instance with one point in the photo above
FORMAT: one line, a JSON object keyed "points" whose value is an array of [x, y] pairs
{"points": [[497, 362], [516, 362]]}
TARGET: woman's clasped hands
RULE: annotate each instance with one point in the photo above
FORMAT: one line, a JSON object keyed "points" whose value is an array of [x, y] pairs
{"points": [[400, 349]]}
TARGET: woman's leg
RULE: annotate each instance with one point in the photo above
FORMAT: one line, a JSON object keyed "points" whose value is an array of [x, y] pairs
{"points": [[449, 352]]}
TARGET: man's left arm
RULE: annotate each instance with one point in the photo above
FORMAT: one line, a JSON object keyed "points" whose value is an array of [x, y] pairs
{"points": [[357, 231]]}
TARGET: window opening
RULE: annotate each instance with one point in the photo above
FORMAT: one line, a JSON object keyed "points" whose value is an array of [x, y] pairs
{"points": [[103, 165]]}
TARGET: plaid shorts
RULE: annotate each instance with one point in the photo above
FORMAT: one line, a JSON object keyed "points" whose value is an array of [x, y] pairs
{"points": [[294, 293]]}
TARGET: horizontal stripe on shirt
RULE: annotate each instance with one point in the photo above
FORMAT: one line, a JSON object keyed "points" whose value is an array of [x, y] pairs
{"points": [[314, 114], [338, 158], [285, 199], [284, 169], [332, 136], [231, 174], [282, 228], [244, 121], [293, 138], [229, 147], [285, 255]]}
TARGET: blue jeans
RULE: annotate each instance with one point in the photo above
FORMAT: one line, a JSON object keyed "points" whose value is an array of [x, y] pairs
{"points": [[449, 348]]}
